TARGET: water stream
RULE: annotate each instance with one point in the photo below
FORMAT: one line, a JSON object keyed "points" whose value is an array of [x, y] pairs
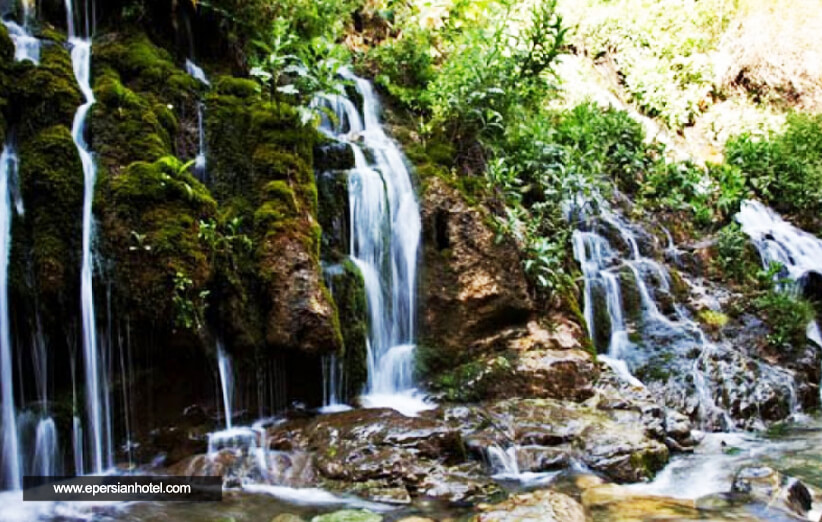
{"points": [[200, 163], [98, 414], [11, 470], [606, 267]]}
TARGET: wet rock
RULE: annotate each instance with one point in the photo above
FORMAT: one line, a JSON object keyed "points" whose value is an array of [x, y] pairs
{"points": [[457, 484], [175, 443], [333, 156], [381, 453], [349, 515], [398, 496], [613, 442], [528, 361], [770, 487], [544, 505], [539, 459]]}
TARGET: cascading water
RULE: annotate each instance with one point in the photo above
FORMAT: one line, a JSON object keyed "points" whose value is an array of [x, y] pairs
{"points": [[798, 252], [11, 449], [385, 239], [226, 372], [200, 161], [605, 270], [26, 46], [98, 414]]}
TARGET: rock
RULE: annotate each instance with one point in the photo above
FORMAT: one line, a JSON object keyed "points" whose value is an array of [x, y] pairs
{"points": [[334, 155], [774, 489], [613, 442], [381, 453], [415, 519], [613, 502], [544, 506], [397, 496], [349, 515], [459, 484], [472, 286], [524, 361]]}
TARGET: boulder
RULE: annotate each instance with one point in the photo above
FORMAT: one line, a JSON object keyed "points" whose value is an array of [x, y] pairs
{"points": [[777, 491], [543, 506]]}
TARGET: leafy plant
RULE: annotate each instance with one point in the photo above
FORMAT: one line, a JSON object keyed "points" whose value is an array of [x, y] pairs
{"points": [[787, 315], [732, 244], [189, 306], [785, 170]]}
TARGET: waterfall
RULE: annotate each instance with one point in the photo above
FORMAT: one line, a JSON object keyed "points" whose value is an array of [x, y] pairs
{"points": [[602, 263], [200, 161], [97, 406], [332, 385], [226, 383], [777, 241], [385, 240], [26, 46], [196, 72], [11, 450]]}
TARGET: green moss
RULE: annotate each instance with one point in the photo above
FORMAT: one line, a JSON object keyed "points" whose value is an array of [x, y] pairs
{"points": [[144, 67], [52, 186], [125, 126], [631, 300], [153, 230], [48, 92], [348, 290], [602, 320], [237, 87], [714, 321]]}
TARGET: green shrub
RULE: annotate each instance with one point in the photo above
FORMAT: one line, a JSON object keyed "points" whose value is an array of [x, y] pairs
{"points": [[786, 170], [787, 315], [732, 245]]}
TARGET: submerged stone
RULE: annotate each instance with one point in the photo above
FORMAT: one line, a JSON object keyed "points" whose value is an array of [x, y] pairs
{"points": [[349, 515]]}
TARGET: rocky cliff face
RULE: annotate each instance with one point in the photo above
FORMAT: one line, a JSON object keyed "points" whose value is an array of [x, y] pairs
{"points": [[481, 333]]}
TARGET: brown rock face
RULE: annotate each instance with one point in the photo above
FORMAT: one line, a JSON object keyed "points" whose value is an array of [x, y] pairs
{"points": [[302, 313], [472, 286]]}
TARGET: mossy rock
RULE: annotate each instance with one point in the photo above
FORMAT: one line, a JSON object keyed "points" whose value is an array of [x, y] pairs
{"points": [[260, 162], [631, 299], [602, 320], [6, 59], [153, 232], [348, 290], [236, 87], [126, 127], [47, 94], [51, 178], [145, 67], [333, 214]]}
